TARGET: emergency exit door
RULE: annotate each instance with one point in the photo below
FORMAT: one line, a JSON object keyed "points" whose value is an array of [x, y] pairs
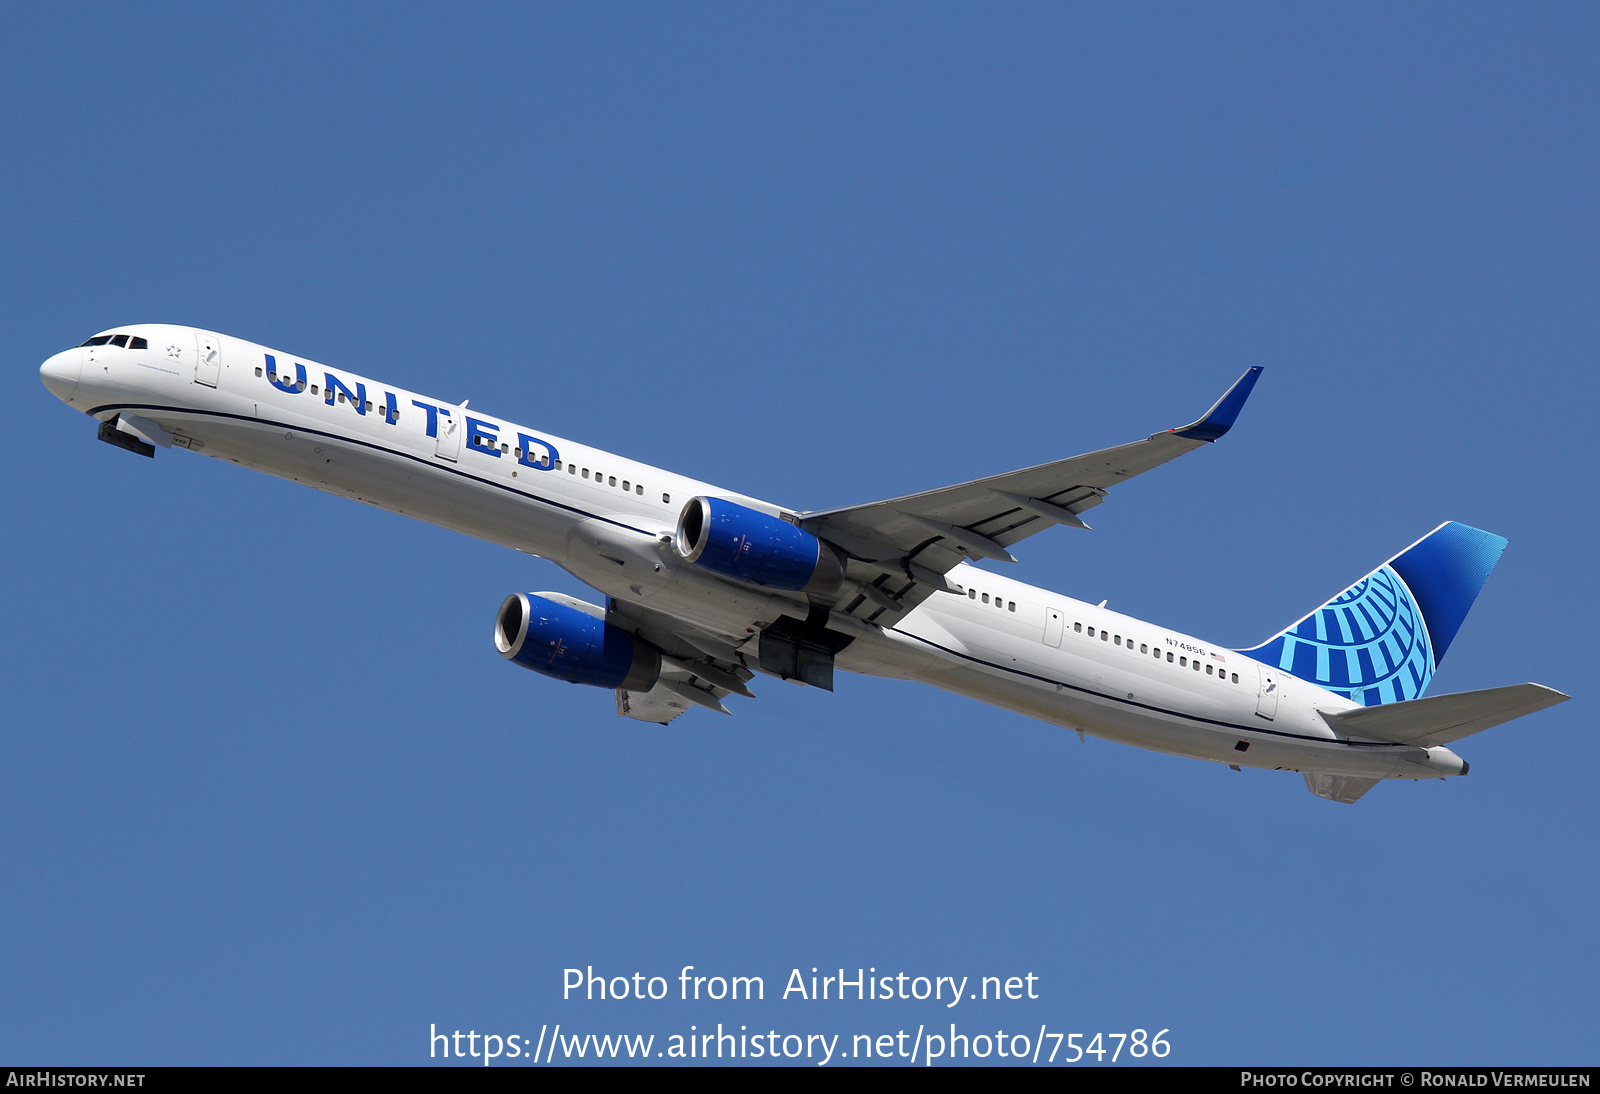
{"points": [[1052, 627]]}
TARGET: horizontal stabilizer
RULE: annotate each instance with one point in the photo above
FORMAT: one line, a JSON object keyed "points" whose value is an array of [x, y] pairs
{"points": [[1443, 718], [1338, 788]]}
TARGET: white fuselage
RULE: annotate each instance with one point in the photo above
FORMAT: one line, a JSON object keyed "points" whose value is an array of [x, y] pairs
{"points": [[606, 519]]}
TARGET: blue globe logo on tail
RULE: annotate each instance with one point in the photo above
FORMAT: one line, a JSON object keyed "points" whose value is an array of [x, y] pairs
{"points": [[1380, 640], [1368, 639]]}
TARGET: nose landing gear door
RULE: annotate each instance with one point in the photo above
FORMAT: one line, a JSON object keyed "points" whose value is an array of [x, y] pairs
{"points": [[1267, 698], [208, 362]]}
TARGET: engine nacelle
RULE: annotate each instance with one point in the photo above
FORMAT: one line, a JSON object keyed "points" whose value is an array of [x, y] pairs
{"points": [[737, 542], [570, 644]]}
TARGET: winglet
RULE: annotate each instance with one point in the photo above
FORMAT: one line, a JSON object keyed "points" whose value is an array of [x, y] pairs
{"points": [[1220, 418]]}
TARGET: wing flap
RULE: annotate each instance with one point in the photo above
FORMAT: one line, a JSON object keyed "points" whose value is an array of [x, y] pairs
{"points": [[659, 705], [1441, 719], [698, 668]]}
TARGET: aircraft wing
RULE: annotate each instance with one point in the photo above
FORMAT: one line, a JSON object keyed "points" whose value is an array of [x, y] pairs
{"points": [[902, 547]]}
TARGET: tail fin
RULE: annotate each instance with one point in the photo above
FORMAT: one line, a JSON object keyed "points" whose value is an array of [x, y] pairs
{"points": [[1381, 639]]}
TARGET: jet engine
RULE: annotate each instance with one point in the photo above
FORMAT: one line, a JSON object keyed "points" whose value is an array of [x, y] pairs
{"points": [[573, 644], [738, 542]]}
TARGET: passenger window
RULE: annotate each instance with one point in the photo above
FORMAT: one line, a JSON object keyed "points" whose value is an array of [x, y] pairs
{"points": [[1208, 670], [341, 396], [639, 489], [1183, 662], [625, 486], [1195, 664], [258, 370], [585, 472], [1143, 648], [1011, 605], [1236, 678], [666, 499], [369, 406], [1169, 657], [518, 454], [572, 469], [1091, 632], [972, 594], [138, 343], [1104, 634], [1078, 627], [120, 341], [986, 598], [1117, 641], [612, 481], [313, 389]]}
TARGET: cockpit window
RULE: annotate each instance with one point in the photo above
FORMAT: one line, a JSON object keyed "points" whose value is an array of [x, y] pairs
{"points": [[119, 340]]}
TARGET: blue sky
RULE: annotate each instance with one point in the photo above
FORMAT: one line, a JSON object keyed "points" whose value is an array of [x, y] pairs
{"points": [[269, 796]]}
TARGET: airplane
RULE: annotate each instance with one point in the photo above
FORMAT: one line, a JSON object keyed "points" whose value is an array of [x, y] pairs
{"points": [[705, 588]]}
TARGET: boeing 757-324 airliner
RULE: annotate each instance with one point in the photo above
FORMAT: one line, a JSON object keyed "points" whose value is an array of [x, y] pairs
{"points": [[705, 588]]}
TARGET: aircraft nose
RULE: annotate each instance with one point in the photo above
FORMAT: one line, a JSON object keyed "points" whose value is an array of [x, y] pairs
{"points": [[61, 373]]}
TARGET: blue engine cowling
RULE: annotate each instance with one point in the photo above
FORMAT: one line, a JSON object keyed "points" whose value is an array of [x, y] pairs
{"points": [[740, 543], [569, 644]]}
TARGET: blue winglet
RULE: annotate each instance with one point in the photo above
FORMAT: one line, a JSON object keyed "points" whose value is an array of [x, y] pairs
{"points": [[1220, 418]]}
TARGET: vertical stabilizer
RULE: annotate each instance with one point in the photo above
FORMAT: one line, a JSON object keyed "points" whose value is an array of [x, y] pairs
{"points": [[1381, 639]]}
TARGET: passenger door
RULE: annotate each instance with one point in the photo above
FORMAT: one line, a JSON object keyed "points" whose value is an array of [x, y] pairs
{"points": [[208, 361], [1267, 697]]}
